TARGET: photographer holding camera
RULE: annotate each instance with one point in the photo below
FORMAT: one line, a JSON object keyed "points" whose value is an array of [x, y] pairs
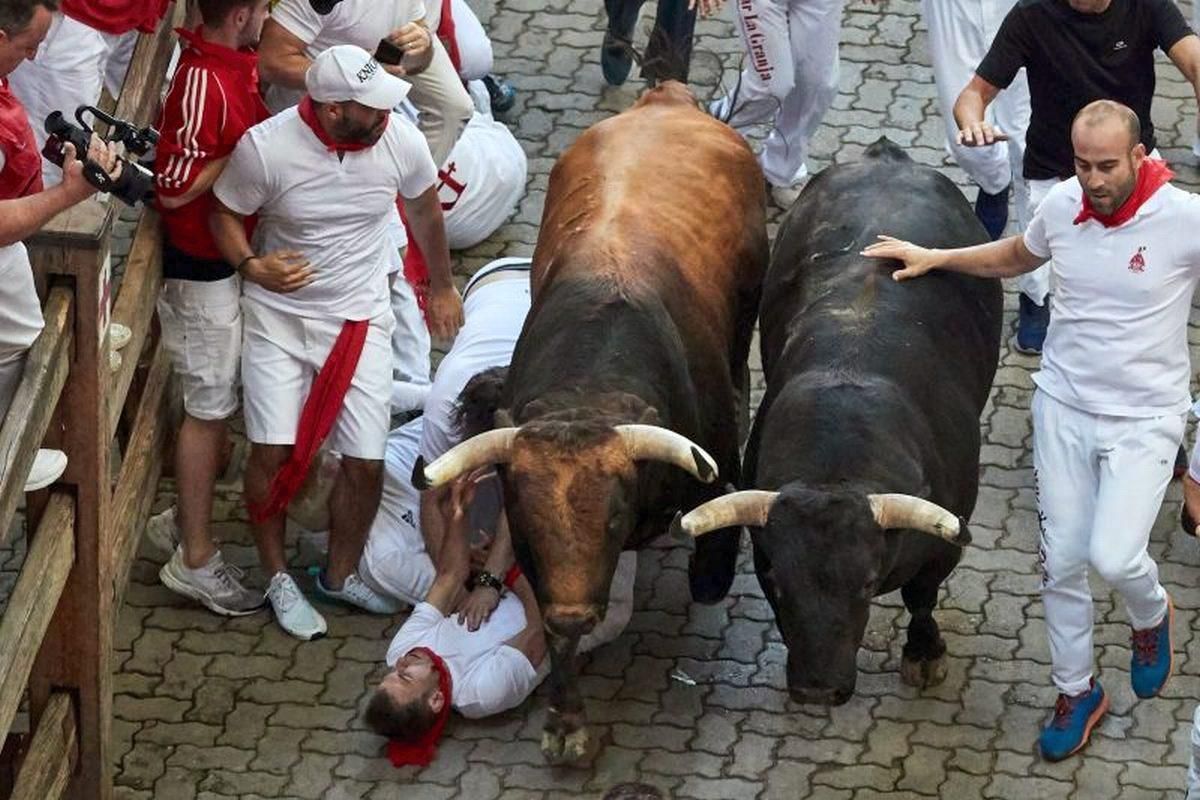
{"points": [[25, 208]]}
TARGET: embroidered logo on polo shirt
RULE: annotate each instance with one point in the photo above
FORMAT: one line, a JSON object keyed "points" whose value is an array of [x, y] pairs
{"points": [[1137, 263], [1120, 45], [367, 72], [408, 517]]}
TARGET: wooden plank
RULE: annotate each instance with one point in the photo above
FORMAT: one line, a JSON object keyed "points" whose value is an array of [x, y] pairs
{"points": [[80, 226], [76, 653], [33, 405], [51, 758], [140, 472], [33, 600], [135, 307]]}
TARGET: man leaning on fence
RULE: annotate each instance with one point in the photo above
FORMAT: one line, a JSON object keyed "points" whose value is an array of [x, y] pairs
{"points": [[25, 208]]}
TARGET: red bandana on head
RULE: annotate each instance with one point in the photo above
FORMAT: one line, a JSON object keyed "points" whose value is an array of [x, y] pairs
{"points": [[1152, 176], [308, 113], [422, 751]]}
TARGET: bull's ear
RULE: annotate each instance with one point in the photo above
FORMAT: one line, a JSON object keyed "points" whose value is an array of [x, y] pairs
{"points": [[503, 419]]}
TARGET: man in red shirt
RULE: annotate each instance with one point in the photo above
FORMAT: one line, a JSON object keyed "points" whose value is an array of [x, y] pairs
{"points": [[24, 208], [69, 69], [212, 101]]}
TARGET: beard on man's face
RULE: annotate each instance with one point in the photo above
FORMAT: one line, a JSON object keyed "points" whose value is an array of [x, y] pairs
{"points": [[359, 133]]}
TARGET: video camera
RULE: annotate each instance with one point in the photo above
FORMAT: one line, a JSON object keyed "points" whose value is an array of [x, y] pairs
{"points": [[135, 181]]}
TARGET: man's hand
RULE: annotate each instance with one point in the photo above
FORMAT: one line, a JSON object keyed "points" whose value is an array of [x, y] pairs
{"points": [[444, 312], [917, 260], [477, 607], [417, 43], [102, 153], [980, 134], [707, 7], [282, 271]]}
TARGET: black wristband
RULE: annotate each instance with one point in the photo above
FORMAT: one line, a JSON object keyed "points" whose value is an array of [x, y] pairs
{"points": [[244, 262], [489, 580]]}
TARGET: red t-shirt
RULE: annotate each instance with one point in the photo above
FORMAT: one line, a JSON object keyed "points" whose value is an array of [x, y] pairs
{"points": [[117, 16], [212, 101], [21, 170]]}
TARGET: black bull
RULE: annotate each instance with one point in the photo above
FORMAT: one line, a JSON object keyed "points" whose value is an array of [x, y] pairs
{"points": [[873, 387]]}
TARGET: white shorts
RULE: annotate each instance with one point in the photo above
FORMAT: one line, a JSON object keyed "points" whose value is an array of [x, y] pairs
{"points": [[281, 355], [202, 332]]}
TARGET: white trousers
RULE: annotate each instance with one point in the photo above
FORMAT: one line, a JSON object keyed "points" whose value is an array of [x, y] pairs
{"points": [[960, 33], [410, 350], [474, 46], [790, 76], [20, 319], [68, 72], [1100, 483]]}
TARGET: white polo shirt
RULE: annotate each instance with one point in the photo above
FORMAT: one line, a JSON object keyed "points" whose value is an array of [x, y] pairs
{"points": [[488, 676], [360, 22], [494, 313], [1117, 343], [336, 211]]}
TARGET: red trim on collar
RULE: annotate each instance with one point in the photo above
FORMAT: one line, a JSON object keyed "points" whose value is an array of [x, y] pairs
{"points": [[1152, 176], [421, 751], [308, 113]]}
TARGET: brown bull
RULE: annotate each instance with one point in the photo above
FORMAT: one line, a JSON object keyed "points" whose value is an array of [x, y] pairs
{"points": [[646, 279]]}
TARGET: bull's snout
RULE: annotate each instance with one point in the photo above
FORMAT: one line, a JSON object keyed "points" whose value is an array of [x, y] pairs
{"points": [[571, 622], [821, 696]]}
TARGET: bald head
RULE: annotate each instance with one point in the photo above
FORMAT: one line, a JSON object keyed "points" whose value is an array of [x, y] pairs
{"points": [[1106, 138], [1105, 114]]}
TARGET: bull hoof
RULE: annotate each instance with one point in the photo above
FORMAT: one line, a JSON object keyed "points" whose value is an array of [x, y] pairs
{"points": [[923, 673], [566, 750]]}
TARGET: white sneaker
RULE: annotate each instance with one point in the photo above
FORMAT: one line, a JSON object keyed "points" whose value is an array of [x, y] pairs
{"points": [[118, 335], [162, 531], [217, 585], [48, 466], [295, 614], [355, 592]]}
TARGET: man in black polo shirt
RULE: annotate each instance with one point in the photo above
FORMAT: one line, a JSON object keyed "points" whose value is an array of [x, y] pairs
{"points": [[1074, 52]]}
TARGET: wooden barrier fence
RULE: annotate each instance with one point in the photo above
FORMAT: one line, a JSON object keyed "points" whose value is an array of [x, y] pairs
{"points": [[56, 635]]}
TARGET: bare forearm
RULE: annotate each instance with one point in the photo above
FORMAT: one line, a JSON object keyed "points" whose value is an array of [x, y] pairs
{"points": [[500, 556], [431, 524], [530, 641], [282, 60], [22, 217], [1003, 258], [229, 234]]}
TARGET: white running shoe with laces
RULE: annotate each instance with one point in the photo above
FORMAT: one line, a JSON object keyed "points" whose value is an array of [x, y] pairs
{"points": [[162, 531], [357, 593], [217, 585], [292, 609], [48, 466]]}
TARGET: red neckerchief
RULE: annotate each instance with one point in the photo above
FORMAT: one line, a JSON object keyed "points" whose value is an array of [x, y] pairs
{"points": [[1152, 176], [244, 62], [422, 751], [308, 113], [321, 409]]}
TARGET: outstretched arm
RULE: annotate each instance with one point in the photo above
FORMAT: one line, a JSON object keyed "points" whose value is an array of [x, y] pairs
{"points": [[973, 128], [1004, 258]]}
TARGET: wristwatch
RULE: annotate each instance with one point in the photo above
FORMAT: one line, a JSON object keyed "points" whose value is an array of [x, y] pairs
{"points": [[489, 580]]}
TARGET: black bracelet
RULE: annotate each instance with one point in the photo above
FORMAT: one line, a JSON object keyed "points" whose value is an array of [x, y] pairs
{"points": [[245, 261], [489, 580]]}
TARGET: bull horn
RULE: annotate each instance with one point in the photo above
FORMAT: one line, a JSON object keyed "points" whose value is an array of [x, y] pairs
{"points": [[749, 507], [491, 447], [906, 511], [653, 443]]}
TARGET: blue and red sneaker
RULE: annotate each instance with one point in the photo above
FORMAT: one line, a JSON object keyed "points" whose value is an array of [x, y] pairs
{"points": [[1153, 656], [1074, 718]]}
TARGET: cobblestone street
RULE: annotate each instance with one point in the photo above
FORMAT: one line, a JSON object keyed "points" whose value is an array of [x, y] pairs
{"points": [[690, 699]]}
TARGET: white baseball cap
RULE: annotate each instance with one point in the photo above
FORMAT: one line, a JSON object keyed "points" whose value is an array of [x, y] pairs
{"points": [[347, 72]]}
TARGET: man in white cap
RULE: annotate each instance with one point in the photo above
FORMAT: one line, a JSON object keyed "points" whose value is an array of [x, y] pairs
{"points": [[323, 178]]}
